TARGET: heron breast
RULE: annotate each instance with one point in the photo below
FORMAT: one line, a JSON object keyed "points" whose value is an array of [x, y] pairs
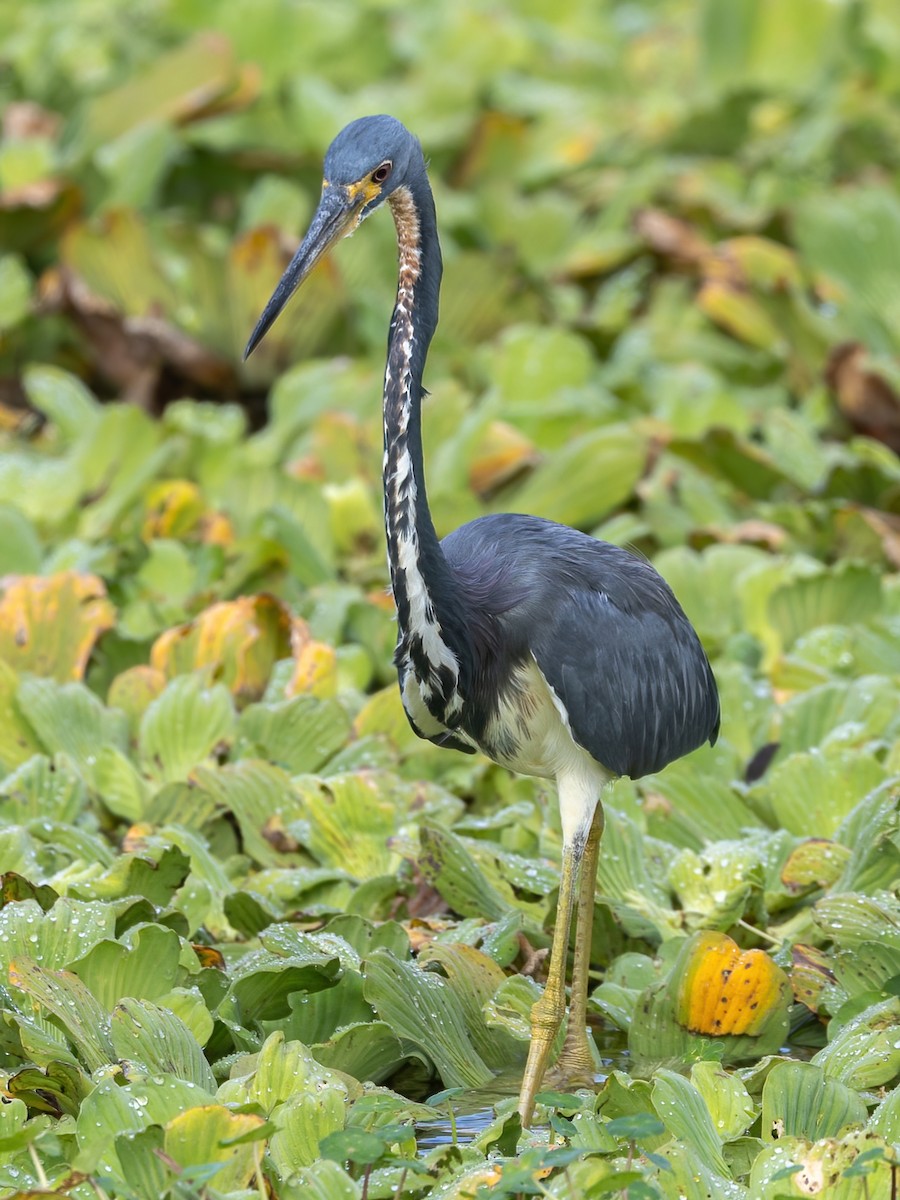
{"points": [[529, 731]]}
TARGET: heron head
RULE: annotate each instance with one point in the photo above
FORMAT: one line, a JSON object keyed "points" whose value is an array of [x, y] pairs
{"points": [[368, 160]]}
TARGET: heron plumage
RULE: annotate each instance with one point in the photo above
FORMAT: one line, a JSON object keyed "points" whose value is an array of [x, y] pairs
{"points": [[605, 630], [555, 654]]}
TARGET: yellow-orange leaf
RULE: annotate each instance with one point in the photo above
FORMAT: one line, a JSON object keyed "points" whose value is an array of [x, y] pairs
{"points": [[217, 530], [50, 624], [726, 990], [237, 641], [501, 455]]}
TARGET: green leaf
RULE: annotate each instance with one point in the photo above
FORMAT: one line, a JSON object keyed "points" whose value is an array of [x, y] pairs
{"points": [[683, 1111], [69, 719], [865, 1052], [183, 726], [353, 1145], [585, 480], [64, 400], [263, 801], [368, 1051], [15, 291], [324, 1180], [829, 784], [21, 552], [261, 982], [448, 866], [304, 1121], [65, 998], [146, 968], [799, 1100], [41, 788], [348, 822], [422, 1008], [299, 734], [141, 1162], [158, 1040], [728, 1101], [212, 1135], [56, 938]]}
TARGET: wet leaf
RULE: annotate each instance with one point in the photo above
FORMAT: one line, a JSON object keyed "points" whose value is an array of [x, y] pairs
{"points": [[724, 990], [209, 1136], [798, 1100], [183, 726], [423, 1009]]}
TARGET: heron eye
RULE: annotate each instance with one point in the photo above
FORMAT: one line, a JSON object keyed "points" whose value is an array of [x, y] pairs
{"points": [[380, 174]]}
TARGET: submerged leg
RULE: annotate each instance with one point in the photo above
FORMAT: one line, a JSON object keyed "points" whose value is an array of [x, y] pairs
{"points": [[576, 1062], [548, 1012]]}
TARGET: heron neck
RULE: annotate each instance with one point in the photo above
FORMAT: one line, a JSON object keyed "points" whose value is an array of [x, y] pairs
{"points": [[429, 608]]}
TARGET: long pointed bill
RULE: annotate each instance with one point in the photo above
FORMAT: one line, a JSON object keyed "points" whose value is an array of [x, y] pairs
{"points": [[337, 209]]}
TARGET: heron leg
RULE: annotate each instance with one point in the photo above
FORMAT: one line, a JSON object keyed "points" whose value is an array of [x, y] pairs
{"points": [[548, 1012], [576, 1062]]}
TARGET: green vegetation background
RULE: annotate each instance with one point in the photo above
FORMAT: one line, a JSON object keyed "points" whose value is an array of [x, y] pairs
{"points": [[671, 317]]}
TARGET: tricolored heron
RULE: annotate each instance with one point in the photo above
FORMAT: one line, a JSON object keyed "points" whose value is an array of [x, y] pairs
{"points": [[553, 653]]}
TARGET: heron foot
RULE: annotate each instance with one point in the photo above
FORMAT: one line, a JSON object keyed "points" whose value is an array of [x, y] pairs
{"points": [[577, 1064], [546, 1017]]}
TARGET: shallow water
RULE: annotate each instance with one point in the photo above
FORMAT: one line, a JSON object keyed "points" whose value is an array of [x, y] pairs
{"points": [[430, 1134], [474, 1110]]}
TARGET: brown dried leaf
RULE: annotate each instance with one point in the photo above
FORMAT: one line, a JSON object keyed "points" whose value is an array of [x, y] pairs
{"points": [[50, 624], [23, 119], [754, 532], [131, 352], [671, 237], [887, 526], [864, 397]]}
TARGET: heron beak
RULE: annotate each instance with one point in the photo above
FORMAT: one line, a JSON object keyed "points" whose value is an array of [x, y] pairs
{"points": [[338, 209]]}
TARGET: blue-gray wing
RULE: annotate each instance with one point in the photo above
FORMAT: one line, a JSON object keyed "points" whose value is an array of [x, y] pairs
{"points": [[633, 678]]}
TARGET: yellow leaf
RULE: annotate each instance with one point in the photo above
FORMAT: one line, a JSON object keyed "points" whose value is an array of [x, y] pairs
{"points": [[315, 665], [50, 624], [817, 862], [206, 1135], [754, 260], [173, 507], [726, 990], [741, 314]]}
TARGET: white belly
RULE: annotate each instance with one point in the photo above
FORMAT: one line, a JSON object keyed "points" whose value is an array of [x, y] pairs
{"points": [[531, 735]]}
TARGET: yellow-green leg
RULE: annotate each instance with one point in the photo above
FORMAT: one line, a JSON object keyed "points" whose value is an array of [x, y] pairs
{"points": [[575, 1064], [579, 868]]}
